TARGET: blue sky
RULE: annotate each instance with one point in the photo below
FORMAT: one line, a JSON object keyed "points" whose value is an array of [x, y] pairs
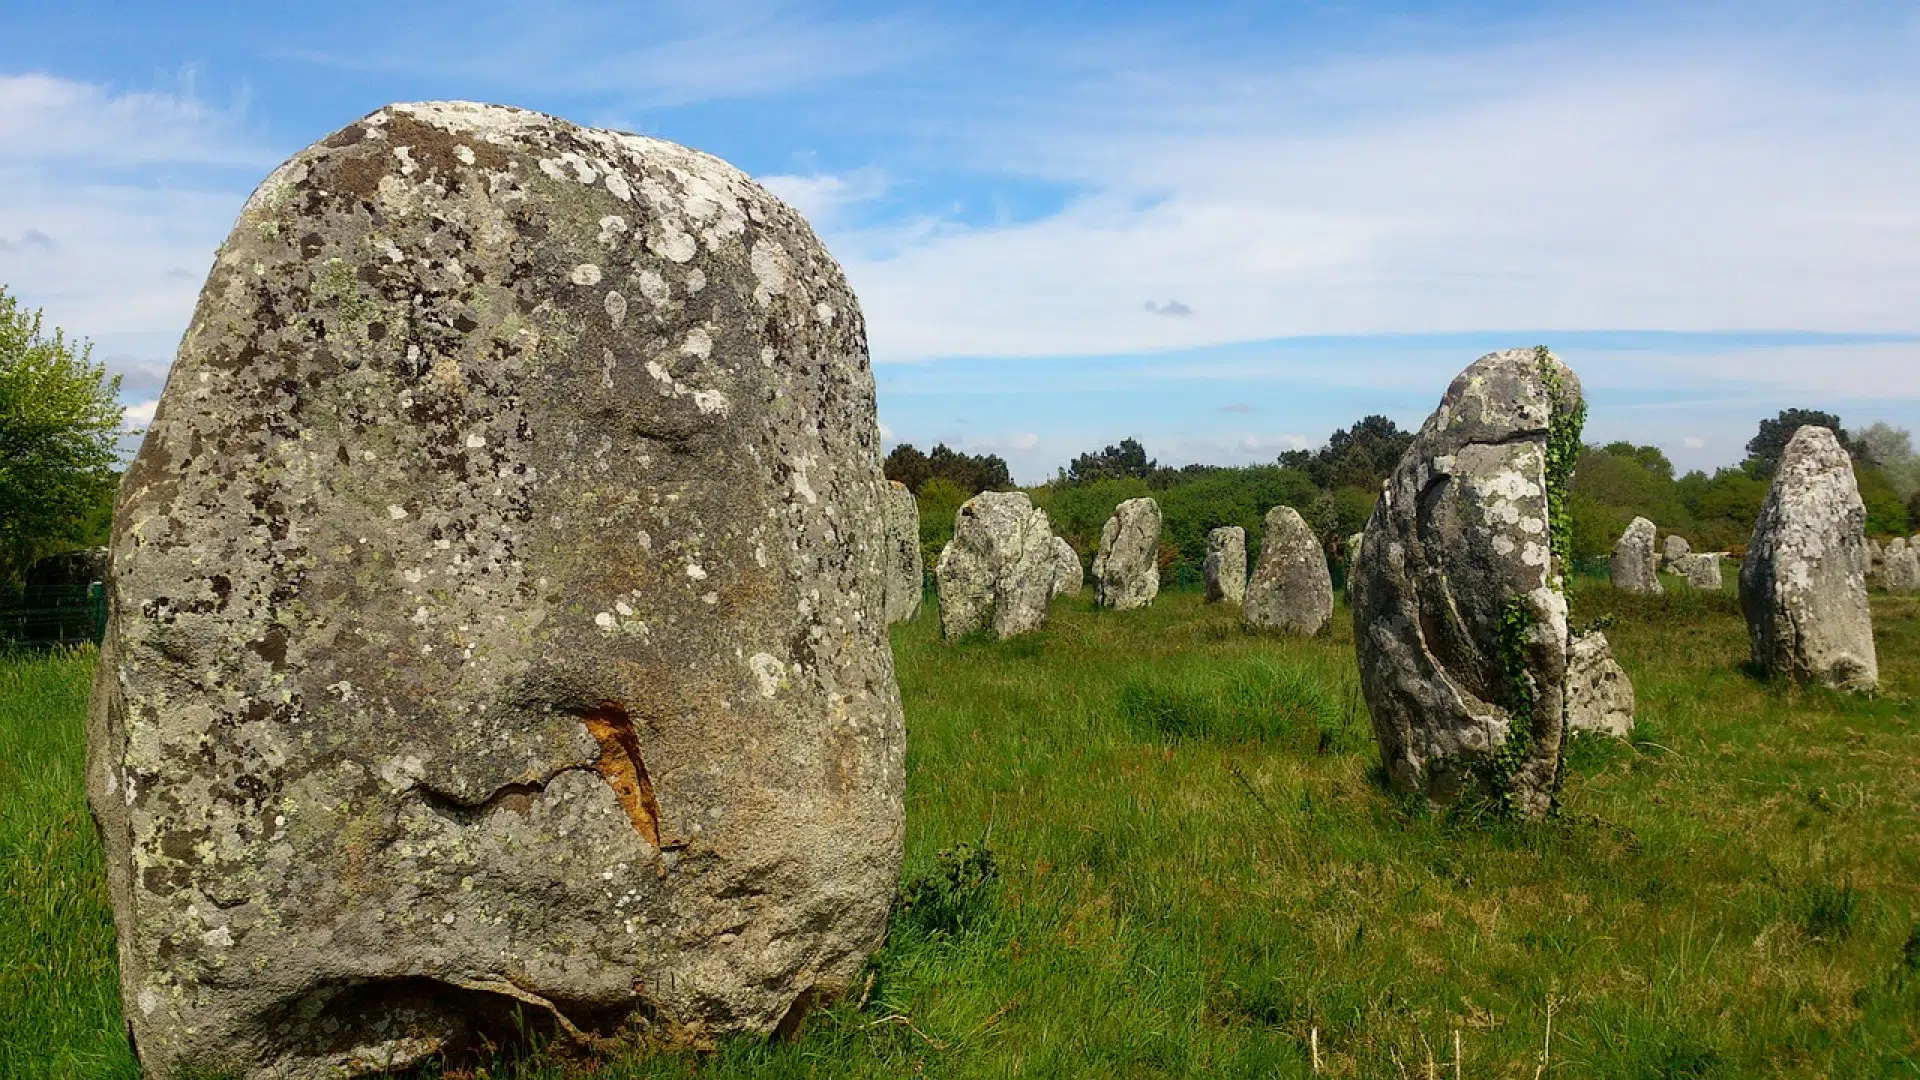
{"points": [[1222, 229]]}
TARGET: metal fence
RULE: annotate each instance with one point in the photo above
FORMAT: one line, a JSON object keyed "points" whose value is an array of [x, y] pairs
{"points": [[45, 615]]}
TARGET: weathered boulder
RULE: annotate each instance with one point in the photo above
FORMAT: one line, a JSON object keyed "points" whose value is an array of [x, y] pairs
{"points": [[1901, 571], [1701, 569], [1633, 568], [1599, 694], [1126, 569], [999, 569], [497, 613], [906, 570], [1068, 575], [1459, 618], [1672, 549], [1291, 589], [1803, 585], [1226, 565]]}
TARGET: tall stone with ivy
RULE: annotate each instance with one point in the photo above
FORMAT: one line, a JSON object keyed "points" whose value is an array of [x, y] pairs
{"points": [[497, 638], [1803, 584], [1459, 606]]}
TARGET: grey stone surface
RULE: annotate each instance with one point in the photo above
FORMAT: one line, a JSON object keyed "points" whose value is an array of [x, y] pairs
{"points": [[1632, 567], [1353, 552], [1803, 585], [1291, 589], [1701, 569], [1599, 694], [1069, 577], [497, 613], [1673, 548], [1226, 565], [1459, 542], [1901, 570], [1126, 569], [906, 570], [998, 571]]}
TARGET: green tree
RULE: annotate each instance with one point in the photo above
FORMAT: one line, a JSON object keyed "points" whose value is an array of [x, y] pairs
{"points": [[1766, 446], [59, 425], [976, 473], [1891, 448], [1127, 461], [1356, 457]]}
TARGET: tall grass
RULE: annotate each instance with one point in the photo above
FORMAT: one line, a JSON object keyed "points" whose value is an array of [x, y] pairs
{"points": [[1153, 844]]}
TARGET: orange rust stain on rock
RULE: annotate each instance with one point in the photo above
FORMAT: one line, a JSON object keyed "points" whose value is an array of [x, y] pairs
{"points": [[621, 767]]}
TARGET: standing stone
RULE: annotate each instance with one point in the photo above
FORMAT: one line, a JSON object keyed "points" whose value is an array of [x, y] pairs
{"points": [[1459, 619], [999, 569], [1226, 565], [1599, 694], [1353, 552], [1291, 589], [1633, 567], [497, 614], [1068, 575], [906, 570], [1803, 585], [1901, 573], [1701, 569], [1672, 549], [1126, 569]]}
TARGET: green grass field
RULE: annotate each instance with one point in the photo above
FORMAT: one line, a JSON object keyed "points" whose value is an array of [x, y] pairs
{"points": [[1151, 844]]}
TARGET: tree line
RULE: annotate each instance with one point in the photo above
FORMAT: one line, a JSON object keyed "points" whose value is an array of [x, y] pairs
{"points": [[1334, 488]]}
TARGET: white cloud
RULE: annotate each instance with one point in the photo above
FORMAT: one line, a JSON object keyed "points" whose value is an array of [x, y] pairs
{"points": [[91, 238], [822, 197], [45, 118], [138, 416], [1693, 442], [1603, 185]]}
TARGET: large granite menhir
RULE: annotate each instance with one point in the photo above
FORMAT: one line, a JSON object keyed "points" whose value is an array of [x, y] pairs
{"points": [[1803, 584], [905, 566], [1126, 569], [1226, 565], [1459, 621], [497, 617], [999, 570], [1291, 589], [1068, 576], [1633, 567]]}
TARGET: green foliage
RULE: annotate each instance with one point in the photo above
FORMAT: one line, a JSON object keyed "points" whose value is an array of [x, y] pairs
{"points": [[1565, 422], [939, 499], [975, 473], [953, 895], [59, 425], [1886, 511], [1358, 457], [1127, 461], [1189, 509]]}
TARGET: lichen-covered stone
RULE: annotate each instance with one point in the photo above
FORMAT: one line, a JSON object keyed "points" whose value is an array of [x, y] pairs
{"points": [[497, 613], [1291, 589], [1803, 585], [1701, 569], [1459, 621], [1900, 572], [1352, 552], [1126, 569], [1632, 567], [906, 573], [1069, 577], [1226, 565], [1673, 548], [999, 569], [1599, 694]]}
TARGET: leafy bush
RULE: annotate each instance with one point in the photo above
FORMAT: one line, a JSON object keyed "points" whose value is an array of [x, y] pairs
{"points": [[950, 897]]}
